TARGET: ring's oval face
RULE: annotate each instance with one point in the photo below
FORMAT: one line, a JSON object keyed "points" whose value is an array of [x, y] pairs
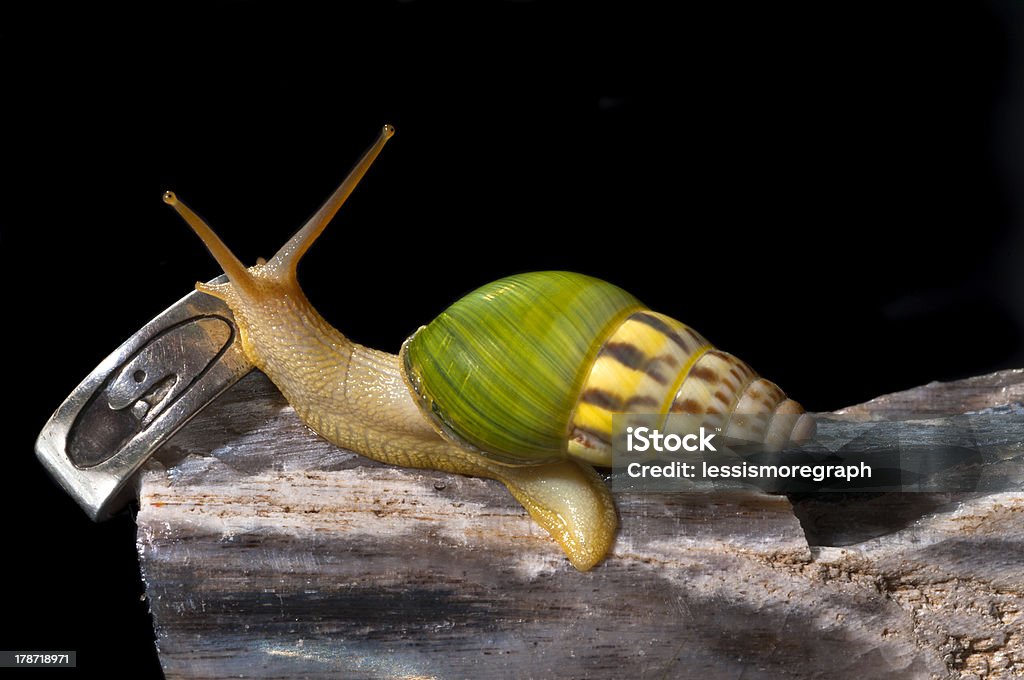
{"points": [[144, 386]]}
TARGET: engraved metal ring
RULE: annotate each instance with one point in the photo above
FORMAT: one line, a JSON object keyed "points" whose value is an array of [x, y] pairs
{"points": [[138, 397]]}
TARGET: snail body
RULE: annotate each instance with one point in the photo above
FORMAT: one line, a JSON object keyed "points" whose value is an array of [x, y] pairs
{"points": [[517, 381]]}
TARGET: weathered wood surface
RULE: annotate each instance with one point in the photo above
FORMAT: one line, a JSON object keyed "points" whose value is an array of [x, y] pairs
{"points": [[268, 553]]}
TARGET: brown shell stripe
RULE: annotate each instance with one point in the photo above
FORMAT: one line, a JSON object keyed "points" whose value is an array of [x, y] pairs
{"points": [[638, 370]]}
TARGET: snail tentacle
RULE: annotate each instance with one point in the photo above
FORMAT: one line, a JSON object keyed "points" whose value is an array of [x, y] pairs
{"points": [[227, 260], [287, 258]]}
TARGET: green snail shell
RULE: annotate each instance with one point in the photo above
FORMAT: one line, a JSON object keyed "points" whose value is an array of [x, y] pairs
{"points": [[533, 367], [502, 368]]}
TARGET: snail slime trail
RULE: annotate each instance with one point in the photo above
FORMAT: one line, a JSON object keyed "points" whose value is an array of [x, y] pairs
{"points": [[518, 381]]}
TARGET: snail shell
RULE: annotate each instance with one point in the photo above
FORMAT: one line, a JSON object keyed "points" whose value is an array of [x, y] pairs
{"points": [[532, 368]]}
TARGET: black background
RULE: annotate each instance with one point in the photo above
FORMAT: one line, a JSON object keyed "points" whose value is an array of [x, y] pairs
{"points": [[833, 194]]}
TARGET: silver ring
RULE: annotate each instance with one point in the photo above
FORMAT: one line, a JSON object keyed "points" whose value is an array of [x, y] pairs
{"points": [[138, 397]]}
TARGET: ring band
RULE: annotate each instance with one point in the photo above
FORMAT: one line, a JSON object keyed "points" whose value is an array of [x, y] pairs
{"points": [[138, 397]]}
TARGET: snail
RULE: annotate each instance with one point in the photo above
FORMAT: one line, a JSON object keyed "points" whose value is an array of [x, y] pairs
{"points": [[517, 381]]}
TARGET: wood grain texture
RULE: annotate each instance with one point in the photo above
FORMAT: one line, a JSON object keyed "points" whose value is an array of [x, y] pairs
{"points": [[269, 553]]}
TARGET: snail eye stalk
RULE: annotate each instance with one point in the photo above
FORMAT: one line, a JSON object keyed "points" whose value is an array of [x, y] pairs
{"points": [[287, 258]]}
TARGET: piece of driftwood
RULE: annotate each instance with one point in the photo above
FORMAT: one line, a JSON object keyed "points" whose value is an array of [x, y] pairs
{"points": [[268, 553]]}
